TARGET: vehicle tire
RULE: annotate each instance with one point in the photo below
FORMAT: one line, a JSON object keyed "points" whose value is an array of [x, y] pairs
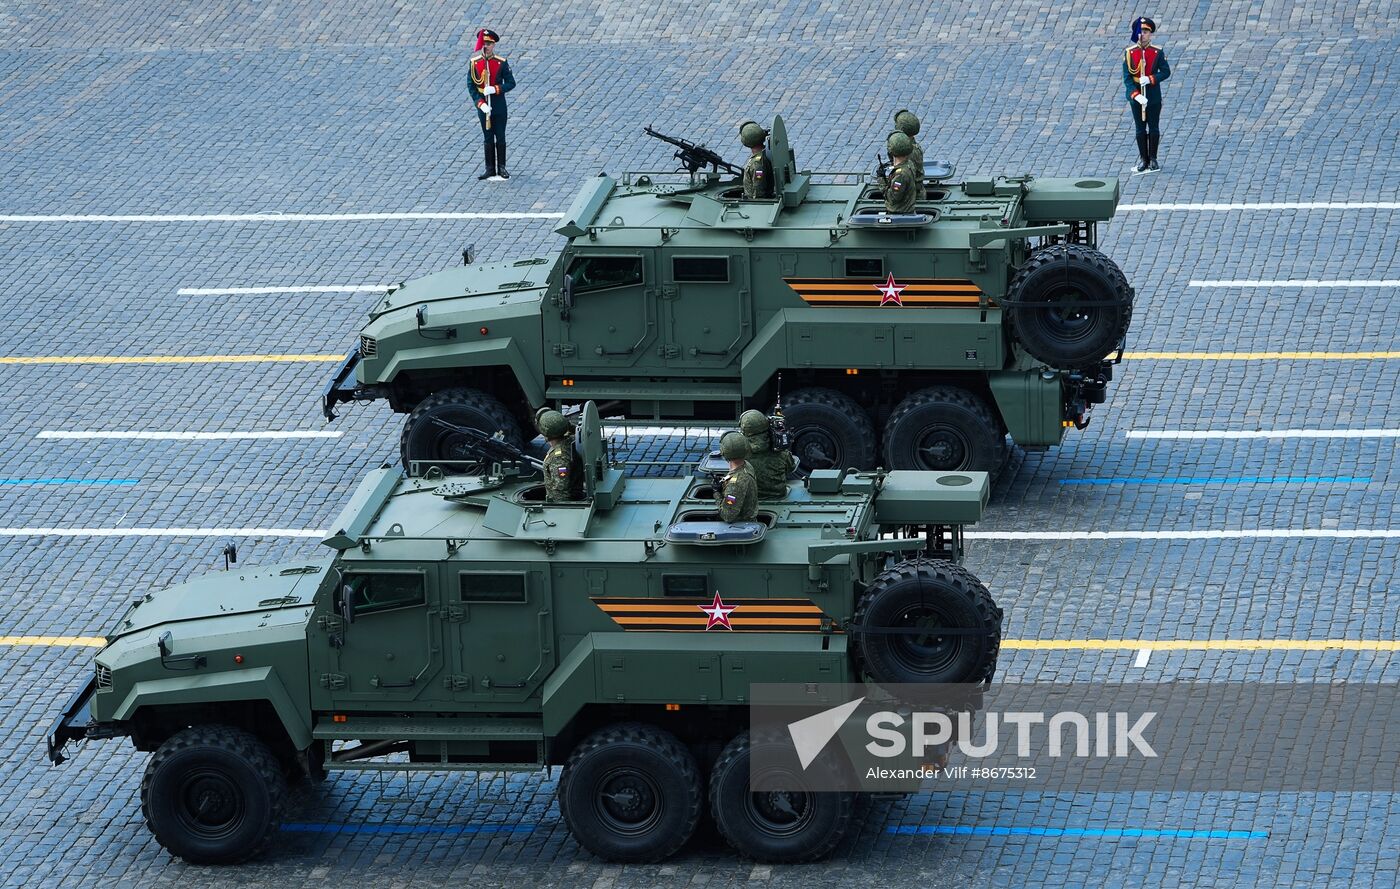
{"points": [[424, 440], [630, 793], [787, 826], [930, 593], [828, 430], [213, 794], [1042, 308], [944, 429]]}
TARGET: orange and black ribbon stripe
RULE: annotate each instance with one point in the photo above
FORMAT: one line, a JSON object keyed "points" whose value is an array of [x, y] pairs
{"points": [[685, 614], [859, 292]]}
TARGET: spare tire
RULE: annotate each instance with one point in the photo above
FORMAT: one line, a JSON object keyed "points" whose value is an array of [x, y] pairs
{"points": [[1069, 306], [963, 626]]}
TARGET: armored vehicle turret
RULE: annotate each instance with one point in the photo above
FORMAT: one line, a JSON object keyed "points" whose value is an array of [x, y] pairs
{"points": [[911, 341], [464, 623]]}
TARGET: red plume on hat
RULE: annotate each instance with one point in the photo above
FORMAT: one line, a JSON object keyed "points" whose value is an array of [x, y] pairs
{"points": [[484, 35]]}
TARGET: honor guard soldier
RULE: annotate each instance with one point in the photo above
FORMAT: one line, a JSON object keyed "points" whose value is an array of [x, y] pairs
{"points": [[563, 476], [736, 496], [1144, 68], [907, 122], [490, 81], [901, 187], [770, 467], [758, 172]]}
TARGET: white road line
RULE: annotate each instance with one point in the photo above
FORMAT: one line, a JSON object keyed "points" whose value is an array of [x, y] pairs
{"points": [[1262, 433], [1266, 205], [263, 217], [184, 436], [253, 291], [1386, 282], [1142, 656], [1251, 534], [160, 532]]}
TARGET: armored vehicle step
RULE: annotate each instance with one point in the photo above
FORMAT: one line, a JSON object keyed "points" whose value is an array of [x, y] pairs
{"points": [[583, 389], [471, 728]]}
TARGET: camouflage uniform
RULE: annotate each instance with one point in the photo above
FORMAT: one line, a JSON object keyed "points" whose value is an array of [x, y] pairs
{"points": [[758, 172], [770, 467], [563, 476], [903, 189], [907, 122], [737, 495], [916, 160]]}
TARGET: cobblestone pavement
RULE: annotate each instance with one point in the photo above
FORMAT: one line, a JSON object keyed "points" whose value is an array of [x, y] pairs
{"points": [[358, 107]]}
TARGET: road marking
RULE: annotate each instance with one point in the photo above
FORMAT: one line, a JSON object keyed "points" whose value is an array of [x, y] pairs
{"points": [[70, 481], [1394, 282], [264, 217], [160, 532], [254, 291], [1142, 656], [1262, 433], [1141, 645], [1238, 480], [54, 434], [1067, 832], [1265, 205], [53, 641], [166, 359], [1210, 534], [1260, 356]]}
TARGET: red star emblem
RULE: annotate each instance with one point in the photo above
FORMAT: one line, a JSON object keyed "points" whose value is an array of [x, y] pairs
{"points": [[718, 612], [890, 292]]}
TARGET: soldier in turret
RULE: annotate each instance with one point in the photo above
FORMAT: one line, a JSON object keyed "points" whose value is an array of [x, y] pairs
{"points": [[758, 172], [901, 187], [563, 475], [907, 122], [736, 495], [770, 466]]}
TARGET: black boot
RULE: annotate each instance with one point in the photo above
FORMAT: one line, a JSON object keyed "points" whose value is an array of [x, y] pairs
{"points": [[1142, 155], [1152, 152], [490, 163], [501, 160]]}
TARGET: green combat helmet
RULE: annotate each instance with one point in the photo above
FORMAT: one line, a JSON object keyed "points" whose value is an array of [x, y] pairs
{"points": [[907, 122], [753, 422], [751, 134], [899, 144], [552, 424], [734, 446]]}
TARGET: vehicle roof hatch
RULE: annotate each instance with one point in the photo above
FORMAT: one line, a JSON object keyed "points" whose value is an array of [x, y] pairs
{"points": [[602, 483]]}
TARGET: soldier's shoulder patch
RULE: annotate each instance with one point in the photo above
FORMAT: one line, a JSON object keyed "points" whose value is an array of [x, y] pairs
{"points": [[730, 499], [563, 471], [758, 174], [896, 185]]}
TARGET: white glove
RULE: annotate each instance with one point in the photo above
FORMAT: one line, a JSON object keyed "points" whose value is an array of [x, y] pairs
{"points": [[491, 90], [485, 107], [1140, 98], [1144, 80]]}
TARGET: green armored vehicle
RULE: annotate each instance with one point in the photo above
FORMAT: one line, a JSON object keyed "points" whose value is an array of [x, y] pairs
{"points": [[465, 623], [911, 341]]}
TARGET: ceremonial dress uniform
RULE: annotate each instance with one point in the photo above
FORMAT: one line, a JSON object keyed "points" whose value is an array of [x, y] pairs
{"points": [[491, 79], [1144, 69]]}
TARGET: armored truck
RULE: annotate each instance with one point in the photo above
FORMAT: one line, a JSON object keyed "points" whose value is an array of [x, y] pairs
{"points": [[467, 623], [911, 341]]}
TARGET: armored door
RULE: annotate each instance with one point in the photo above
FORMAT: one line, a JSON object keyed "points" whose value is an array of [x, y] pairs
{"points": [[606, 318], [502, 630], [709, 305]]}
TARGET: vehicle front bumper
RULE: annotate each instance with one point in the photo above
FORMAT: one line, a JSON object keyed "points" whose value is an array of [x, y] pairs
{"points": [[74, 723], [342, 387]]}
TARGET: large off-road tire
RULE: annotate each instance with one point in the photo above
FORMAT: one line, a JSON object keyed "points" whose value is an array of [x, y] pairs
{"points": [[944, 429], [426, 441], [784, 826], [631, 793], [927, 593], [828, 430], [1044, 312], [213, 794]]}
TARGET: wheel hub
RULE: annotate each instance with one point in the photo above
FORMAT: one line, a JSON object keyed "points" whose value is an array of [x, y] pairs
{"points": [[210, 804], [816, 448], [629, 802], [942, 449]]}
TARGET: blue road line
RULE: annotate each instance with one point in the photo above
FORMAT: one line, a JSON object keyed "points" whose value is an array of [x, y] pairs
{"points": [[70, 481], [1235, 480], [1109, 832], [447, 829]]}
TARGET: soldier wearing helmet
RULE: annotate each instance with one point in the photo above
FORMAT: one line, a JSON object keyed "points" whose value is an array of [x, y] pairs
{"points": [[770, 466], [901, 187], [758, 172], [737, 493], [563, 475], [907, 122]]}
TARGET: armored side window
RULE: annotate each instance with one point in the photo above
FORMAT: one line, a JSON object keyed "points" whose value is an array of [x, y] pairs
{"points": [[383, 592], [865, 267], [603, 272], [484, 587], [685, 585], [700, 269]]}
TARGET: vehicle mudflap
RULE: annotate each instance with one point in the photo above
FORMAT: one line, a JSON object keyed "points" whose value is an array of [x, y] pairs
{"points": [[73, 723]]}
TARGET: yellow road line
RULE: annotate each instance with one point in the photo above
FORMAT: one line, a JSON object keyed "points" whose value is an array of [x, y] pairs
{"points": [[164, 359], [1203, 644], [53, 641], [1260, 356]]}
